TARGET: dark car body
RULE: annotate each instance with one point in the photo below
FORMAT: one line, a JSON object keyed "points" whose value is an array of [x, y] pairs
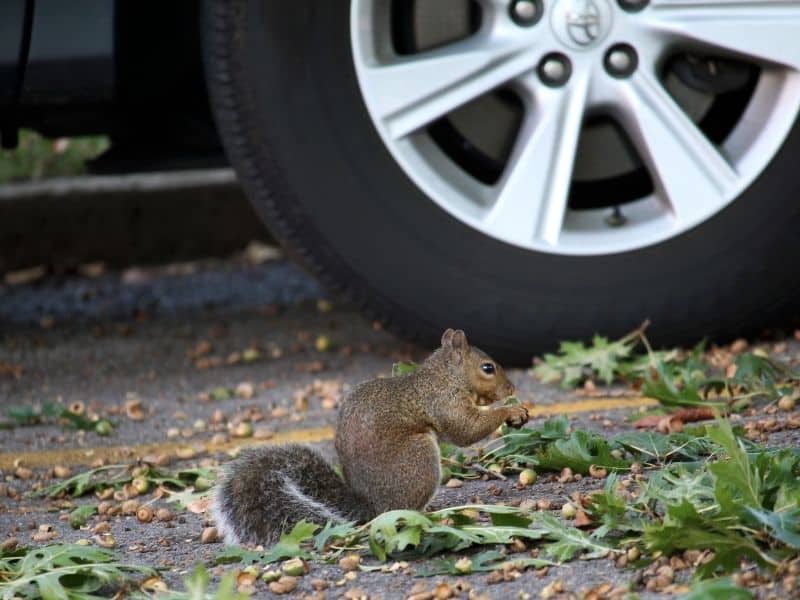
{"points": [[128, 68]]}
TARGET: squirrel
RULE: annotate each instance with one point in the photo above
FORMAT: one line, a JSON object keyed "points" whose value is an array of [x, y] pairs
{"points": [[387, 442]]}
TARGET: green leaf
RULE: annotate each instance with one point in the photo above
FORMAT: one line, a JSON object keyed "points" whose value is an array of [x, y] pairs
{"points": [[509, 520], [568, 540], [601, 359], [238, 554], [334, 532], [79, 516], [288, 545], [62, 571], [662, 386], [578, 452], [197, 588], [783, 526], [84, 483], [403, 368], [394, 531], [489, 560]]}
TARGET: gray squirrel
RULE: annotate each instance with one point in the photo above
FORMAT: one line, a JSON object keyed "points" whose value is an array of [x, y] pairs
{"points": [[387, 442]]}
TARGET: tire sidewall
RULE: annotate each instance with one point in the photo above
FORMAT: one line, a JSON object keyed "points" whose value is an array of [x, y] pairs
{"points": [[322, 177]]}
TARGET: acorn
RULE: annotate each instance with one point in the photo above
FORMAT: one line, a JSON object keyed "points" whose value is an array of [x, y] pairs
{"points": [[464, 565], [202, 484], [209, 536], [105, 540], [140, 484], [103, 427], [153, 584], [787, 403], [295, 567], [527, 477], [271, 576], [598, 472], [144, 514], [568, 511], [62, 472], [350, 562], [77, 408], [323, 343]]}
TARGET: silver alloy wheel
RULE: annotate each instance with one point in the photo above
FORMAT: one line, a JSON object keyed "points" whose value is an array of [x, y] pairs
{"points": [[614, 62]]}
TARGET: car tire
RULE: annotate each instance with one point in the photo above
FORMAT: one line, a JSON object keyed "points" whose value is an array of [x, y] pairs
{"points": [[295, 126]]}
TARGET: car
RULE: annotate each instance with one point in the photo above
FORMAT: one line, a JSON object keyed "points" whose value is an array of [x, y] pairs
{"points": [[530, 170]]}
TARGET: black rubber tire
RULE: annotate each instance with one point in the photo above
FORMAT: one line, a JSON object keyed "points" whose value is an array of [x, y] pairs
{"points": [[294, 125]]}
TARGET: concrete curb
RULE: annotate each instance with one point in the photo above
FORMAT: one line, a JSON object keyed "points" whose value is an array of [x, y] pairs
{"points": [[124, 220], [90, 185]]}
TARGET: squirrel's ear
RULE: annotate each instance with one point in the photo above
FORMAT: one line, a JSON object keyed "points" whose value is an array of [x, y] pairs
{"points": [[446, 337], [459, 341]]}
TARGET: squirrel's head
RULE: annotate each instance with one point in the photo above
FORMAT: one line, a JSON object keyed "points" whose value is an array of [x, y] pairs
{"points": [[482, 374]]}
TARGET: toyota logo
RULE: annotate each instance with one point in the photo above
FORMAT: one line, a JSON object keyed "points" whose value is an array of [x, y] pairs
{"points": [[584, 22]]}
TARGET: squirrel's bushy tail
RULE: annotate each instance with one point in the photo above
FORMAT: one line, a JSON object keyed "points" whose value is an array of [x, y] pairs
{"points": [[267, 490]]}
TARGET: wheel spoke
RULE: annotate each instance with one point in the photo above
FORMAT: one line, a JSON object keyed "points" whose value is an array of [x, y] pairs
{"points": [[535, 189], [763, 30], [416, 91], [689, 172]]}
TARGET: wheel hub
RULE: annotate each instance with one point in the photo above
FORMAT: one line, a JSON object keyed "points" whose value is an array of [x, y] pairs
{"points": [[581, 24], [567, 62]]}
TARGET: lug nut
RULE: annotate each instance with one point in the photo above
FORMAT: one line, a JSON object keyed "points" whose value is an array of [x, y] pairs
{"points": [[621, 60], [526, 12], [555, 70], [633, 5]]}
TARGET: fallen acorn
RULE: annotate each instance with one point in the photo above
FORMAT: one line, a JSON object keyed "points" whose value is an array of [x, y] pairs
{"points": [[9, 544], [463, 565], [202, 484], [140, 484], [103, 427], [164, 514], [130, 507], [527, 477], [144, 514], [153, 584], [295, 567], [568, 510], [134, 410], [787, 403], [23, 473], [102, 527], [598, 472], [242, 430], [105, 540], [443, 591], [185, 452], [350, 562], [209, 536], [62, 472], [323, 343], [270, 576], [284, 585]]}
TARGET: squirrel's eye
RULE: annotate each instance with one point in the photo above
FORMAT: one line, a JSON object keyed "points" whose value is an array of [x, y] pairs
{"points": [[487, 368]]}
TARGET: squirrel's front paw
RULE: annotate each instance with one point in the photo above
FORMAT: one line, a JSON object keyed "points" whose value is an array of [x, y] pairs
{"points": [[517, 416]]}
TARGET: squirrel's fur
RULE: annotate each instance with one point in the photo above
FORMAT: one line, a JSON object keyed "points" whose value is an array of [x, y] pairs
{"points": [[387, 442]]}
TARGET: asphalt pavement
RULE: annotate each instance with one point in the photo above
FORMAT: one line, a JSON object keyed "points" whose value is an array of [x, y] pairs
{"points": [[173, 355]]}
